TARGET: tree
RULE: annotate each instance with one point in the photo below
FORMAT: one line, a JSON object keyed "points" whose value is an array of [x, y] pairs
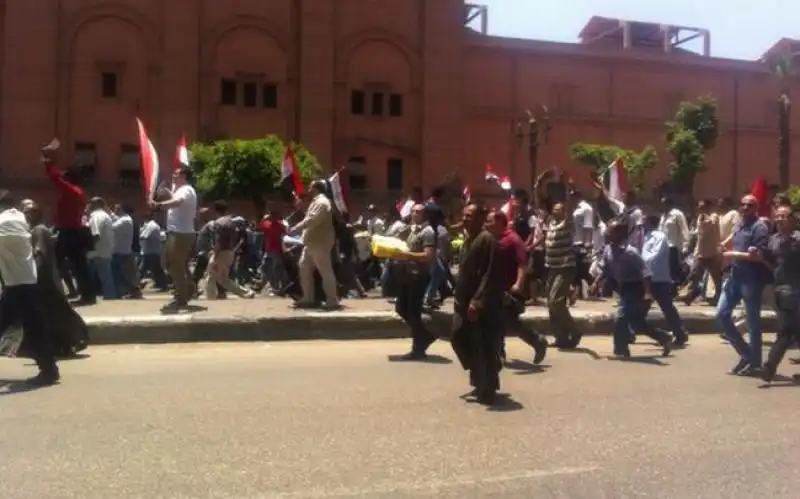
{"points": [[246, 169], [690, 135], [599, 156], [781, 67]]}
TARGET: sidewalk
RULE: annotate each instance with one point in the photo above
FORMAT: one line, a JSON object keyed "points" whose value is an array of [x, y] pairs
{"points": [[273, 319]]}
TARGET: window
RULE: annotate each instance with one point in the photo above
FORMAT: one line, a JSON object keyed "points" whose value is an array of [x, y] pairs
{"points": [[377, 104], [357, 103], [394, 174], [227, 92], [129, 165], [85, 159], [249, 94], [356, 173], [395, 105], [269, 96], [108, 85]]}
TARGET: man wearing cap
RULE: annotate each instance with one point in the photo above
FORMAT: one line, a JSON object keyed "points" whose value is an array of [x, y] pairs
{"points": [[181, 206]]}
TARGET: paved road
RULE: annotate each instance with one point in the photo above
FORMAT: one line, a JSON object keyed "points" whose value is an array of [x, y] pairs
{"points": [[328, 419]]}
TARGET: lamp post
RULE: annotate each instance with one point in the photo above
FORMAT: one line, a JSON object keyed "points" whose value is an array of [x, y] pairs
{"points": [[535, 130]]}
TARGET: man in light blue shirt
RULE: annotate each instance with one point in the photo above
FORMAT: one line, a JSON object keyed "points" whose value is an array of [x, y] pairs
{"points": [[656, 256], [123, 261], [624, 264]]}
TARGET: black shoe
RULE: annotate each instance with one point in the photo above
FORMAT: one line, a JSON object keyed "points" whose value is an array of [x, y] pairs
{"points": [[680, 341], [540, 352], [768, 372], [666, 347], [739, 367], [632, 339], [45, 378], [622, 354], [487, 397]]}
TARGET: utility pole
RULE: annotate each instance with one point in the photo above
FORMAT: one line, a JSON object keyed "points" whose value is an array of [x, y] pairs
{"points": [[535, 130]]}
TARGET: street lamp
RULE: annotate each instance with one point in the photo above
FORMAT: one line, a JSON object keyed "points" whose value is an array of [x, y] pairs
{"points": [[535, 129]]}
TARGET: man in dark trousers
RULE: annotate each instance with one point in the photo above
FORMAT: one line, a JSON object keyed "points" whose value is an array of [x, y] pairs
{"points": [[74, 239], [513, 262], [783, 256], [21, 302], [478, 293]]}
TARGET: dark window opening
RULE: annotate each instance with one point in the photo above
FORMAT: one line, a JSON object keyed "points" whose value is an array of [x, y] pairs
{"points": [[396, 105], [270, 96], [249, 95], [377, 104], [84, 161], [227, 92], [130, 165], [356, 177], [108, 85], [394, 174], [357, 103]]}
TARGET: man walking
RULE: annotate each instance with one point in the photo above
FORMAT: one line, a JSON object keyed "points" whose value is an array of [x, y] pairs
{"points": [[748, 276], [181, 206], [318, 239], [21, 302]]}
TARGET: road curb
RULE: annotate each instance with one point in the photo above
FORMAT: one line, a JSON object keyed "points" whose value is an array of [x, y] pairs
{"points": [[333, 326]]}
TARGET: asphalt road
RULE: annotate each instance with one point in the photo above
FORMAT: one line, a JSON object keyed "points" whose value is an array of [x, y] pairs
{"points": [[337, 419]]}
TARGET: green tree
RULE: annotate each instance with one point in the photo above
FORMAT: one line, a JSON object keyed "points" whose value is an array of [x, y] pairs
{"points": [[690, 135], [246, 169], [599, 156], [781, 67]]}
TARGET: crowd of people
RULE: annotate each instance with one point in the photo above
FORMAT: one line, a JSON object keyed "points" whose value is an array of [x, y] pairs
{"points": [[535, 251]]}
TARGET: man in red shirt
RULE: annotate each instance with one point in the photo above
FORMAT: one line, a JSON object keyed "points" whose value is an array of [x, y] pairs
{"points": [[273, 229], [513, 261], [74, 239]]}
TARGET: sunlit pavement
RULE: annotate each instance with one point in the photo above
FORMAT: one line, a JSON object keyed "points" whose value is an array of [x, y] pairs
{"points": [[338, 419]]}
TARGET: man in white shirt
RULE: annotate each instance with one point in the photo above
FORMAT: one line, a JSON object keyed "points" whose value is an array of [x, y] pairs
{"points": [[673, 225], [583, 222], [21, 303], [102, 228], [181, 206], [123, 261]]}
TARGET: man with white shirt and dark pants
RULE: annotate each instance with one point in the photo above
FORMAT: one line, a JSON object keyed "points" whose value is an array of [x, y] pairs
{"points": [[673, 225], [181, 206], [21, 303], [102, 228], [582, 237]]}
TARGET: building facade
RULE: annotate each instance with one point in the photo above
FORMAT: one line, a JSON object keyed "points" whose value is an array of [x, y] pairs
{"points": [[401, 91]]}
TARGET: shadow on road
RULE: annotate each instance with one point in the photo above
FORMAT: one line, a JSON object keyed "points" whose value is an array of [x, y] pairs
{"points": [[429, 359], [782, 381], [188, 309], [15, 386], [640, 359], [522, 367], [588, 351]]}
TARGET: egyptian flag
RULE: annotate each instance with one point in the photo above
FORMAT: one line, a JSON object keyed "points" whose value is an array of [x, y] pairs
{"points": [[339, 190], [615, 180], [181, 154], [290, 173], [150, 165]]}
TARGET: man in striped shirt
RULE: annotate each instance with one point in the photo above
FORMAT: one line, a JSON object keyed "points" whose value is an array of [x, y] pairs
{"points": [[560, 263]]}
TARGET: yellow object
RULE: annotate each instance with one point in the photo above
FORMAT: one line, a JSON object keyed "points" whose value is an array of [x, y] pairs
{"points": [[387, 247]]}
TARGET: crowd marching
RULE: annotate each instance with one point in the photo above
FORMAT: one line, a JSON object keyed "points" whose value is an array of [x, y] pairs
{"points": [[536, 250]]}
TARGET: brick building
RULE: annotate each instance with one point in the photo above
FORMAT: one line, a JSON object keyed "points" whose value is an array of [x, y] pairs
{"points": [[401, 90]]}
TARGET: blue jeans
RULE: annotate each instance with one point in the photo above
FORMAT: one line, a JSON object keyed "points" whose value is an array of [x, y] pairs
{"points": [[734, 290], [101, 268], [662, 295], [437, 276], [272, 270], [631, 316], [150, 265]]}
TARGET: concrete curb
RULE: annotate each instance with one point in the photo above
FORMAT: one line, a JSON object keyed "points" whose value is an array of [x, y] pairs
{"points": [[332, 326]]}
